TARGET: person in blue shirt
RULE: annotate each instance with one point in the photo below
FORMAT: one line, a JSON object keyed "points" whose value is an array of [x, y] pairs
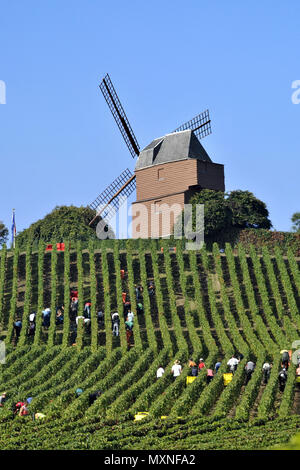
{"points": [[151, 289], [87, 310], [138, 292], [129, 331], [46, 317], [78, 392], [18, 327], [100, 316], [217, 366], [59, 315]]}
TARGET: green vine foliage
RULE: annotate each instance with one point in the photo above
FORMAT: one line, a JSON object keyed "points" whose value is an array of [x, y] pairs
{"points": [[207, 303]]}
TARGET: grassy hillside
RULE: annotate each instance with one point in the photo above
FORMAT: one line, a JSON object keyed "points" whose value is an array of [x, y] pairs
{"points": [[206, 304]]}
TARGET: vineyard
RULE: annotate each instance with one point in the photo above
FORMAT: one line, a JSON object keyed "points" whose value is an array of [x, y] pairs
{"points": [[206, 304]]}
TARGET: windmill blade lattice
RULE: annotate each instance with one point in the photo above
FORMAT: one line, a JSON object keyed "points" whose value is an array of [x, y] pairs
{"points": [[119, 115], [200, 124], [110, 200]]}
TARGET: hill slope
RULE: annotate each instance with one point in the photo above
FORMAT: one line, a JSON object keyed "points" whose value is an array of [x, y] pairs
{"points": [[208, 305]]}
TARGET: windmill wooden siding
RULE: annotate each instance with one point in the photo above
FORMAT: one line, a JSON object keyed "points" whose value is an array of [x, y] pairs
{"points": [[171, 183], [151, 226]]}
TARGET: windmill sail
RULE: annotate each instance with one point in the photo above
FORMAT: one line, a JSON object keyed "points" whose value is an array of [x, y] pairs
{"points": [[110, 200], [119, 115], [200, 124]]}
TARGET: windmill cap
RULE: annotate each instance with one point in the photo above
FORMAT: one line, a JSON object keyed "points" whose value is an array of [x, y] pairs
{"points": [[172, 147]]}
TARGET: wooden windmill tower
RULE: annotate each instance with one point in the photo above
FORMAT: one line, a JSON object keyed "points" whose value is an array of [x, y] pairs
{"points": [[167, 173]]}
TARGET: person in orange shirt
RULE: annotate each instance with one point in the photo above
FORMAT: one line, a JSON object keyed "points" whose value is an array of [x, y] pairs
{"points": [[192, 363]]}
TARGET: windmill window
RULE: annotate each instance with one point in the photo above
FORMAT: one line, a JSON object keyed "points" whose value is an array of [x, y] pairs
{"points": [[161, 174]]}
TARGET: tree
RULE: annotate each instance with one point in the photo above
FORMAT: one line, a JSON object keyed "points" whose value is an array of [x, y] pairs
{"points": [[225, 214], [217, 216], [64, 222], [248, 211], [296, 221], [3, 233]]}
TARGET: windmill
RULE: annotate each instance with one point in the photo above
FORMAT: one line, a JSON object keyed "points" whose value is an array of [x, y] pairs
{"points": [[110, 200]]}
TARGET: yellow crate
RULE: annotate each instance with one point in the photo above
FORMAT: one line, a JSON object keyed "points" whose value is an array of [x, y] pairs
{"points": [[227, 378], [298, 379], [190, 379], [177, 417], [140, 415]]}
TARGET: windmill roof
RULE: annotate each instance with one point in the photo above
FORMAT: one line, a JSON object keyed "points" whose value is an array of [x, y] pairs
{"points": [[172, 147]]}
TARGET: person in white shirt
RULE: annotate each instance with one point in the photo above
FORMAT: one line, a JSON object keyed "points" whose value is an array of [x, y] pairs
{"points": [[86, 321], [250, 366], [233, 363], [115, 316], [115, 322], [176, 369], [160, 372], [2, 398], [130, 316], [266, 371], [266, 366], [78, 318], [32, 317]]}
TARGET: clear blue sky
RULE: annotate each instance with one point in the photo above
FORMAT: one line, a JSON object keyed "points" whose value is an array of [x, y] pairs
{"points": [[168, 60]]}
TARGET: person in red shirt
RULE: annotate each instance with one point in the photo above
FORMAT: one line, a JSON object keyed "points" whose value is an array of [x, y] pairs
{"points": [[24, 410], [18, 406], [201, 363]]}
